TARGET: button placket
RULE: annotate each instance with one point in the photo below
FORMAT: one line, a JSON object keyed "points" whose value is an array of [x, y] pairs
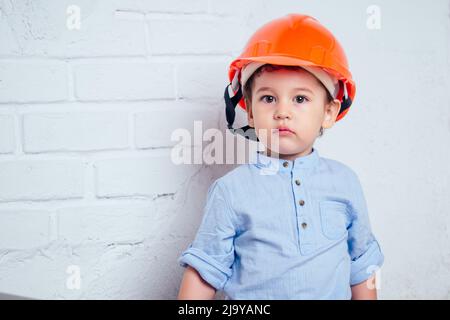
{"points": [[305, 234], [303, 227]]}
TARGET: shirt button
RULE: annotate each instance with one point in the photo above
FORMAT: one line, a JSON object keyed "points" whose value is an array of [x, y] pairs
{"points": [[297, 182], [301, 202], [285, 164], [304, 225]]}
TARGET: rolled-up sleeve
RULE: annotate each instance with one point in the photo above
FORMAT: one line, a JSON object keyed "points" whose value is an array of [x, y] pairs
{"points": [[211, 252], [365, 251]]}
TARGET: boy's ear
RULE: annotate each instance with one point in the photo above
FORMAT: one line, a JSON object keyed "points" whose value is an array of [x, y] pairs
{"points": [[250, 119], [331, 113]]}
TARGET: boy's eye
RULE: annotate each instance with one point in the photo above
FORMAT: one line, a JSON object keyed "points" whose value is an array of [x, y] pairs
{"points": [[300, 99], [270, 99], [266, 98]]}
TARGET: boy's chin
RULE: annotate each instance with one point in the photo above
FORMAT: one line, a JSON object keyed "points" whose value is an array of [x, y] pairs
{"points": [[286, 149]]}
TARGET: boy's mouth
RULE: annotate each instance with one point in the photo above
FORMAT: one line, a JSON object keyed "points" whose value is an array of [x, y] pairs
{"points": [[284, 131]]}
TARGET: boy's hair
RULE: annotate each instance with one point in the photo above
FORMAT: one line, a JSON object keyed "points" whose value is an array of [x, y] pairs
{"points": [[247, 90]]}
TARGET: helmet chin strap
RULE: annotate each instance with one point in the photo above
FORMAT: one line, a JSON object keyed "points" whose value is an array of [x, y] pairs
{"points": [[346, 101], [233, 94], [230, 106]]}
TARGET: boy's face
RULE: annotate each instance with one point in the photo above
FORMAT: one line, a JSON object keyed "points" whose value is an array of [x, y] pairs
{"points": [[293, 99]]}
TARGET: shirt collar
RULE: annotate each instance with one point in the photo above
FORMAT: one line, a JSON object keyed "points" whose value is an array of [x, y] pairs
{"points": [[274, 165]]}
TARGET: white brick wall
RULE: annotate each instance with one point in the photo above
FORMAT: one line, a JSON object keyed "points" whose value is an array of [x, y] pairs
{"points": [[86, 117], [41, 179], [70, 131], [22, 229], [33, 74], [124, 80], [7, 136]]}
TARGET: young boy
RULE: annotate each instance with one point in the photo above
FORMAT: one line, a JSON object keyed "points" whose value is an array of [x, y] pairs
{"points": [[290, 224]]}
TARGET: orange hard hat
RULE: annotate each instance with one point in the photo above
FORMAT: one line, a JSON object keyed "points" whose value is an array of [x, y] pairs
{"points": [[292, 40]]}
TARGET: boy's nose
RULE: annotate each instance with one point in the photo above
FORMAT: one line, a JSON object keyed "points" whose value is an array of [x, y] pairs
{"points": [[282, 112]]}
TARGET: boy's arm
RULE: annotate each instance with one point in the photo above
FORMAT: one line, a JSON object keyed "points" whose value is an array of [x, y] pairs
{"points": [[193, 287], [365, 290]]}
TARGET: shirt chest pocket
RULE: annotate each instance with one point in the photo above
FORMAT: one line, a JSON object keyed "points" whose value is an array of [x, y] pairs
{"points": [[333, 216]]}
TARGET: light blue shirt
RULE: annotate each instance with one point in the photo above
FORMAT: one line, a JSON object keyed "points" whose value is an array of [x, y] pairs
{"points": [[285, 229]]}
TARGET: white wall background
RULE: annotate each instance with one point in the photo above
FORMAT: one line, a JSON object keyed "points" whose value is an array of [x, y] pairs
{"points": [[86, 115]]}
